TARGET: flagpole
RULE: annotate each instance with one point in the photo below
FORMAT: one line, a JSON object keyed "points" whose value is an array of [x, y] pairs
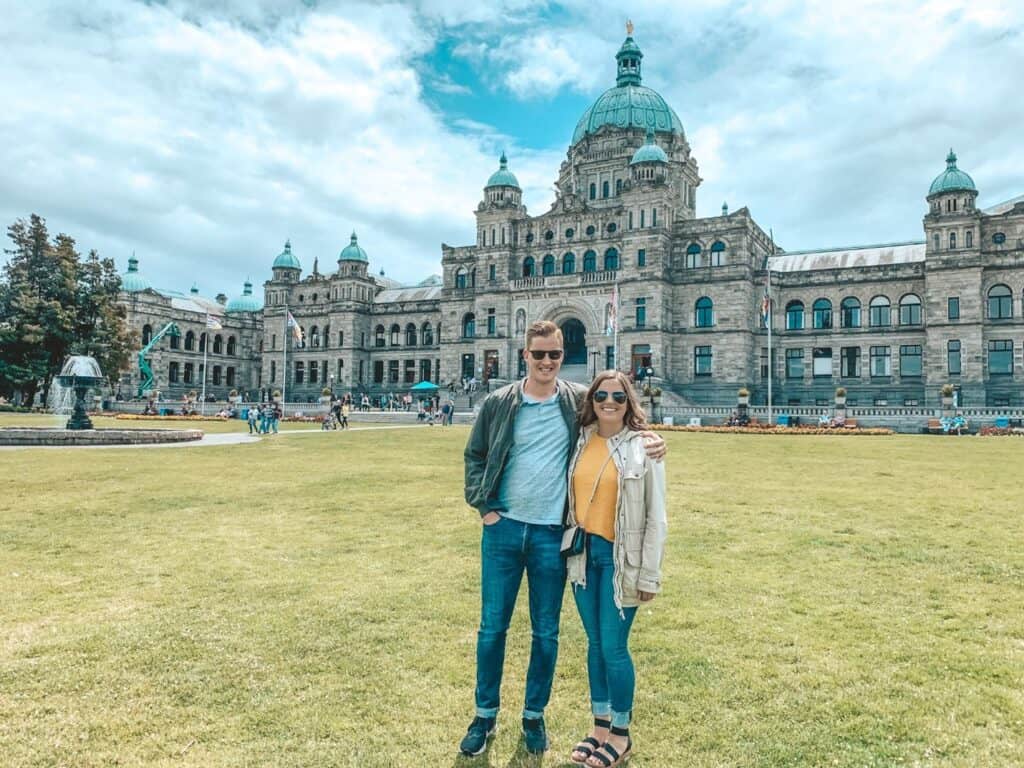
{"points": [[206, 348], [284, 362], [771, 362], [615, 329]]}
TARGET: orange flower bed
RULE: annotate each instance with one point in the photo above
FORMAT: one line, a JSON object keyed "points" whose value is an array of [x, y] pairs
{"points": [[767, 430]]}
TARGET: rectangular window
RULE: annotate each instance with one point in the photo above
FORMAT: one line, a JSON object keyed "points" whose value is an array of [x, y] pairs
{"points": [[273, 341], [273, 371], [392, 371], [910, 313], [300, 372], [702, 361], [910, 360], [492, 323], [1000, 358], [360, 371], [849, 362], [642, 212], [314, 371], [341, 338], [881, 361], [172, 373], [641, 257], [492, 275], [378, 371], [764, 362], [609, 357], [821, 358], [654, 217], [641, 313], [953, 357], [630, 218], [189, 373], [953, 307], [794, 363], [409, 374]]}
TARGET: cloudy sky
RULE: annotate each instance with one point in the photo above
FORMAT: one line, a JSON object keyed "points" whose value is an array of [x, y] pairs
{"points": [[201, 135]]}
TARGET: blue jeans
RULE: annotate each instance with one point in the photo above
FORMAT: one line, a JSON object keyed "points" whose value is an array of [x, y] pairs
{"points": [[508, 548], [609, 666]]}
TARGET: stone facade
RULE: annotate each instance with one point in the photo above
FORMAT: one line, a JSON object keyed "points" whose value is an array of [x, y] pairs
{"points": [[689, 292]]}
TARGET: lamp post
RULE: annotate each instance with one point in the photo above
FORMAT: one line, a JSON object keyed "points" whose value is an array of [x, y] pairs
{"points": [[332, 387], [594, 356]]}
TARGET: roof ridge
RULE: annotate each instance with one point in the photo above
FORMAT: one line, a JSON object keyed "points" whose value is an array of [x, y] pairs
{"points": [[844, 249]]}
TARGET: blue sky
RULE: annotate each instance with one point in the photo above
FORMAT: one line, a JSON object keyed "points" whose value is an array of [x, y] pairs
{"points": [[202, 135]]}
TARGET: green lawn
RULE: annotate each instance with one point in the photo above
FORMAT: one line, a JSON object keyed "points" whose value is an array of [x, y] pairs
{"points": [[107, 422], [313, 602]]}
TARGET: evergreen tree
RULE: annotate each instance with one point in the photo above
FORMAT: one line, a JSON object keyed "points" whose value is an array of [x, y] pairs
{"points": [[53, 304]]}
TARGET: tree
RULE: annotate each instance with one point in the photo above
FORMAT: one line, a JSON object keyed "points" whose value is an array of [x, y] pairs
{"points": [[53, 304]]}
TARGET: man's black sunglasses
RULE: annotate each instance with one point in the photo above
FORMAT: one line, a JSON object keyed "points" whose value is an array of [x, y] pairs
{"points": [[538, 354], [600, 396]]}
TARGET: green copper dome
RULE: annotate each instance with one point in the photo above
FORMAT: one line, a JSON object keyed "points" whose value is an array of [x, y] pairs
{"points": [[286, 259], [132, 281], [649, 152], [352, 251], [503, 177], [246, 302], [952, 179], [628, 104]]}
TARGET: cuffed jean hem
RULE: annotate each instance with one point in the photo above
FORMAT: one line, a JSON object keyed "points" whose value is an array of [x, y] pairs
{"points": [[491, 712], [529, 714], [601, 708], [621, 719]]}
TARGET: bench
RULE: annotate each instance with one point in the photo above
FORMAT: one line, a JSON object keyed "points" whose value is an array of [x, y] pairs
{"points": [[850, 424], [934, 427]]}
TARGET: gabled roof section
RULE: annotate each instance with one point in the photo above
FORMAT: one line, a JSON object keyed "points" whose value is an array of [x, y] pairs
{"points": [[1004, 207], [410, 293], [845, 258]]}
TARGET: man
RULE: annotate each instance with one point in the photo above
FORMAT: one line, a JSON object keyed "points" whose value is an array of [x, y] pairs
{"points": [[516, 477]]}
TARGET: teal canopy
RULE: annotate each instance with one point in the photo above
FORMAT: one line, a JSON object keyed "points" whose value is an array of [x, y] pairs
{"points": [[424, 386]]}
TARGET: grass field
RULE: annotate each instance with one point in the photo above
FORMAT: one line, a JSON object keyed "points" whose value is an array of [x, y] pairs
{"points": [[313, 602]]}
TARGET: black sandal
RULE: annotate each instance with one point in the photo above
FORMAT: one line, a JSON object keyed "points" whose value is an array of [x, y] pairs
{"points": [[589, 744], [611, 752]]}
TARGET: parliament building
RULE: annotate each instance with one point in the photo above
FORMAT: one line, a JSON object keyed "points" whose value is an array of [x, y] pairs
{"points": [[635, 279]]}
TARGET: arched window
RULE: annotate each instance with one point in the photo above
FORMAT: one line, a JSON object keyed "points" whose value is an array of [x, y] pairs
{"points": [[190, 341], [327, 336], [529, 267], [590, 261], [704, 313], [593, 191], [692, 255], [795, 316], [548, 265], [910, 310], [472, 278], [520, 321], [460, 277], [611, 259], [568, 263], [202, 342], [822, 313], [378, 336], [396, 333], [851, 312], [618, 186], [1000, 302], [468, 325], [147, 334], [231, 346], [879, 312], [175, 341], [717, 253], [427, 335], [410, 335], [314, 337], [952, 241], [605, 191], [969, 239]]}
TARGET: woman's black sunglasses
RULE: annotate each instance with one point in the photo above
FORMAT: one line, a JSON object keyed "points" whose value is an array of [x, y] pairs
{"points": [[538, 354], [600, 396]]}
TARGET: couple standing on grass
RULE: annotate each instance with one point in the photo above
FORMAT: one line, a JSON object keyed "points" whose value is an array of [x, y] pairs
{"points": [[595, 513]]}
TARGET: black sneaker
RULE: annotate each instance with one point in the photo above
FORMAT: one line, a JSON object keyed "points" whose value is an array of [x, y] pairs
{"points": [[480, 730], [535, 735]]}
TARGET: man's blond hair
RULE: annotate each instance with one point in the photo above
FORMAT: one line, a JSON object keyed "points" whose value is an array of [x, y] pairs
{"points": [[544, 328]]}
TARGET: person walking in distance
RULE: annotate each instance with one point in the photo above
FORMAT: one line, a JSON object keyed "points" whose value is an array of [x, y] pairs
{"points": [[516, 464]]}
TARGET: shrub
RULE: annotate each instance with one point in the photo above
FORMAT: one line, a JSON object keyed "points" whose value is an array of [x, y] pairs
{"points": [[743, 392], [947, 390], [840, 391]]}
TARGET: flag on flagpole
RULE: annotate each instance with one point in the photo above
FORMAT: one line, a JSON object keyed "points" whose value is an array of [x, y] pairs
{"points": [[213, 323], [296, 328], [613, 312], [766, 306]]}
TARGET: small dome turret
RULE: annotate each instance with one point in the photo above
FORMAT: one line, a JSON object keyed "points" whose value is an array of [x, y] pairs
{"points": [[353, 251], [503, 177], [132, 281], [952, 179], [286, 259], [650, 152], [246, 302]]}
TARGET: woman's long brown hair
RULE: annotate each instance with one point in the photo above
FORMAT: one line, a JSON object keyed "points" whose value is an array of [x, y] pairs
{"points": [[635, 418]]}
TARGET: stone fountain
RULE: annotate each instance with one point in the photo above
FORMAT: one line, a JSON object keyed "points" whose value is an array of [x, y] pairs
{"points": [[79, 374]]}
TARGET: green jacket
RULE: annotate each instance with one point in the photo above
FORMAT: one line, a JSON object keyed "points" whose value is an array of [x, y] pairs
{"points": [[489, 442]]}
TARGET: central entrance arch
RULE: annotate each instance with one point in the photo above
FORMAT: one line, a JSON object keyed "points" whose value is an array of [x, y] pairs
{"points": [[574, 336]]}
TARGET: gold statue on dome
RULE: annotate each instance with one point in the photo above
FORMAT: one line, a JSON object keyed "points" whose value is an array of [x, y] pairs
{"points": [[629, 28]]}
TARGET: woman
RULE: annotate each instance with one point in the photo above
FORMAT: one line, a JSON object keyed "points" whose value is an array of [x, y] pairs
{"points": [[617, 498]]}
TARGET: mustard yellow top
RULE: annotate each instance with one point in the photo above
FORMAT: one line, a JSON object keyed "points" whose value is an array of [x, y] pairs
{"points": [[596, 516]]}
